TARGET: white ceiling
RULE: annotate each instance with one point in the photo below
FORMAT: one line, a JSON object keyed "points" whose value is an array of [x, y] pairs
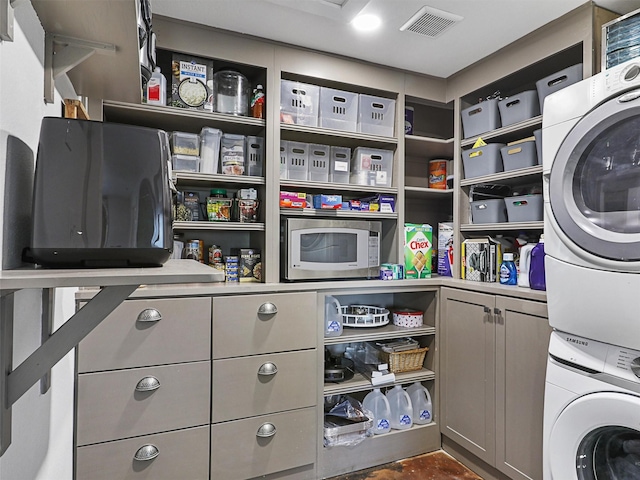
{"points": [[486, 26]]}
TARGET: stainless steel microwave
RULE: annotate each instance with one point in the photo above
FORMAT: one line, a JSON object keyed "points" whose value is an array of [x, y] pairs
{"points": [[316, 249]]}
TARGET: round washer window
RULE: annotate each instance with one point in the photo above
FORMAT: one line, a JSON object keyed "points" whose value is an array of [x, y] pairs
{"points": [[609, 453]]}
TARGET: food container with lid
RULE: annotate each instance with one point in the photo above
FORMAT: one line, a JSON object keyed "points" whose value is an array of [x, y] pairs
{"points": [[231, 91], [209, 149], [408, 318], [183, 143]]}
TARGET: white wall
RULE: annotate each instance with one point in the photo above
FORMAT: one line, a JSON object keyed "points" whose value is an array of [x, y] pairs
{"points": [[41, 447]]}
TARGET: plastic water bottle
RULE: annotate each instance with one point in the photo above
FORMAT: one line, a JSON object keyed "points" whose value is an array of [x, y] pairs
{"points": [[401, 409], [421, 403], [508, 270], [537, 279], [157, 88], [377, 403], [525, 265], [332, 317]]}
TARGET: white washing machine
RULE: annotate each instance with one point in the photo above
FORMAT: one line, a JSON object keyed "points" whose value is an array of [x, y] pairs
{"points": [[591, 186], [592, 411]]}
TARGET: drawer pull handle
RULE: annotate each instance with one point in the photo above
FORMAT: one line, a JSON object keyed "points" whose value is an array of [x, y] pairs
{"points": [[146, 453], [268, 368], [266, 430], [267, 309], [149, 315], [148, 384]]}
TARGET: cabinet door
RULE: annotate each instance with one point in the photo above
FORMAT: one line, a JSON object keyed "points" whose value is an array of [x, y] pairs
{"points": [[522, 342], [467, 381]]}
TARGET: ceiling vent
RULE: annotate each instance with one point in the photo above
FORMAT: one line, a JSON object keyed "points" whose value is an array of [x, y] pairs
{"points": [[430, 22]]}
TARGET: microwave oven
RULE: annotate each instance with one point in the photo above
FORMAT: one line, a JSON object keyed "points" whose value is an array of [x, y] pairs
{"points": [[316, 249]]}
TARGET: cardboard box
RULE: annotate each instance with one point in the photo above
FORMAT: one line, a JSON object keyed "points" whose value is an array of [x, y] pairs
{"points": [[408, 120], [481, 259], [396, 269], [445, 249], [191, 82], [191, 200], [332, 202], [417, 250], [249, 264], [293, 200]]}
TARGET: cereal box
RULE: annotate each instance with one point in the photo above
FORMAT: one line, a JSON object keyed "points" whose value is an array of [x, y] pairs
{"points": [[249, 264], [417, 250], [445, 249]]}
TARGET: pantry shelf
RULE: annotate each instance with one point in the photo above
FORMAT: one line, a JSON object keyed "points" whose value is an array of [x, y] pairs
{"points": [[359, 382], [237, 226], [310, 212], [422, 192], [510, 177], [301, 133], [498, 227], [378, 333], [506, 134], [428, 147], [208, 179]]}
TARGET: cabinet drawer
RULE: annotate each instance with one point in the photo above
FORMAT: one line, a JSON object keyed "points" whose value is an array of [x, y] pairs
{"points": [[111, 406], [292, 445], [240, 329], [247, 386], [123, 340], [183, 454]]}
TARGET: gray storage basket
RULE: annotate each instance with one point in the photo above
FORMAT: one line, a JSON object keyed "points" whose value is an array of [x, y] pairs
{"points": [[525, 208], [481, 161], [480, 118], [492, 210], [538, 136], [557, 81], [518, 108], [519, 155]]}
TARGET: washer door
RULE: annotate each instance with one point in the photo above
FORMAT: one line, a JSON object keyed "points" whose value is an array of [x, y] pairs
{"points": [[597, 437], [594, 188]]}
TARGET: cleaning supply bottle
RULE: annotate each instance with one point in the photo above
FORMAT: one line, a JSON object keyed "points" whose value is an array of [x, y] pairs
{"points": [[421, 403], [257, 102], [508, 271], [401, 416], [377, 403], [157, 88], [525, 264], [537, 280], [332, 317]]}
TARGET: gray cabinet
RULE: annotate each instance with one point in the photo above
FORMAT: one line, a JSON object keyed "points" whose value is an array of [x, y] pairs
{"points": [[493, 362]]}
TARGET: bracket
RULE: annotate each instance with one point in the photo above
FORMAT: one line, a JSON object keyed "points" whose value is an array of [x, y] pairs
{"points": [[71, 52]]}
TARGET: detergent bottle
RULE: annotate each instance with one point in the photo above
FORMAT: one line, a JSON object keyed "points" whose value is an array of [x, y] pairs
{"points": [[524, 265], [401, 408], [537, 279], [421, 403], [332, 317], [377, 403]]}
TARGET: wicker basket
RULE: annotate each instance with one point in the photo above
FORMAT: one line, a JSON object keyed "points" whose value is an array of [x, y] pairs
{"points": [[406, 361]]}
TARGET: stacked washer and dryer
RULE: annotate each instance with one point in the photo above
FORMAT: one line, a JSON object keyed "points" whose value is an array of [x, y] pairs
{"points": [[591, 182]]}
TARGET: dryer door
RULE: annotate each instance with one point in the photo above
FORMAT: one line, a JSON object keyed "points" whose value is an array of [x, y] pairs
{"points": [[597, 437], [594, 187]]}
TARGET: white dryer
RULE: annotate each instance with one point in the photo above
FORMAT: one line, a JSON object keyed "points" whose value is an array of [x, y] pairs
{"points": [[591, 411], [591, 186]]}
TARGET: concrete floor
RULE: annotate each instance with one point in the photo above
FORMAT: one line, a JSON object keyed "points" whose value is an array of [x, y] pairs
{"points": [[431, 466]]}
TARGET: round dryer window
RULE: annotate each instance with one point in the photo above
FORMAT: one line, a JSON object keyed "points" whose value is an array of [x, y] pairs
{"points": [[594, 188], [596, 437]]}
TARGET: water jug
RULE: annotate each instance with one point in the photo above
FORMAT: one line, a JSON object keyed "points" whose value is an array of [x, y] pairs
{"points": [[401, 408], [421, 403], [377, 403], [524, 265], [332, 317], [537, 280]]}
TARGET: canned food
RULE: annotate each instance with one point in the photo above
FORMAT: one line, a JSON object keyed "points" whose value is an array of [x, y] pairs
{"points": [[192, 249], [215, 254]]}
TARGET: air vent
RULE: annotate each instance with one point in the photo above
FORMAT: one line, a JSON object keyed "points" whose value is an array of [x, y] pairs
{"points": [[430, 22]]}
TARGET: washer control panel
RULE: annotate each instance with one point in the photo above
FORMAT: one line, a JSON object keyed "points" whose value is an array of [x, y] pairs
{"points": [[622, 76]]}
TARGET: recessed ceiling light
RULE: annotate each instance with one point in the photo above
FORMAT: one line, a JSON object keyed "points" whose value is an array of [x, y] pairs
{"points": [[366, 22]]}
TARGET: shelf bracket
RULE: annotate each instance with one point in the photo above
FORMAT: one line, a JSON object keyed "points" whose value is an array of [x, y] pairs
{"points": [[69, 53], [15, 382]]}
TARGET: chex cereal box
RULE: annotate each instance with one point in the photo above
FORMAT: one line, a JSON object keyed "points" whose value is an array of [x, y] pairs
{"points": [[417, 250]]}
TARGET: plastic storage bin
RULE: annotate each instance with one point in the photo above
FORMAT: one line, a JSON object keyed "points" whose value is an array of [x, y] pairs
{"points": [[339, 164], [524, 208], [481, 161], [519, 155], [557, 81], [488, 211], [297, 161], [283, 159], [210, 149], [371, 166], [232, 154], [537, 134], [188, 163], [376, 115], [254, 148], [338, 109], [299, 103], [319, 159], [183, 143], [480, 118], [520, 107]]}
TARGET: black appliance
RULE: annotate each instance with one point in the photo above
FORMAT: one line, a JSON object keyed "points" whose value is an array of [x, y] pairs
{"points": [[101, 196], [146, 40]]}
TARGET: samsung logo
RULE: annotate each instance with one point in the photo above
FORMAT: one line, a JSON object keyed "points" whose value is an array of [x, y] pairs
{"points": [[577, 341]]}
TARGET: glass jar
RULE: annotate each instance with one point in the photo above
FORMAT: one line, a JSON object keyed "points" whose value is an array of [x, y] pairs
{"points": [[231, 91]]}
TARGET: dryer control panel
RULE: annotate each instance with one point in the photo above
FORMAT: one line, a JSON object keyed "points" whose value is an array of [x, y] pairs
{"points": [[622, 76]]}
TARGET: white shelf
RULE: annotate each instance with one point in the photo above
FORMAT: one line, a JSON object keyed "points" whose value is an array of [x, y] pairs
{"points": [[359, 382], [311, 212], [509, 177], [508, 133], [510, 226], [423, 192], [209, 179], [339, 187], [428, 147], [220, 226], [335, 137], [378, 333]]}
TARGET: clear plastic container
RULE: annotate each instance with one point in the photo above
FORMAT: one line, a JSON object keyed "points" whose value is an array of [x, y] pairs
{"points": [[378, 405], [299, 103], [340, 164], [376, 115], [421, 403], [332, 317], [401, 416], [183, 143], [297, 160], [210, 149], [254, 148], [232, 154], [371, 166], [284, 145], [186, 163], [338, 109], [318, 163], [231, 92]]}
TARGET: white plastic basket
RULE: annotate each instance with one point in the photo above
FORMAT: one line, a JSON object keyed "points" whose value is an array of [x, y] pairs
{"points": [[364, 316]]}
